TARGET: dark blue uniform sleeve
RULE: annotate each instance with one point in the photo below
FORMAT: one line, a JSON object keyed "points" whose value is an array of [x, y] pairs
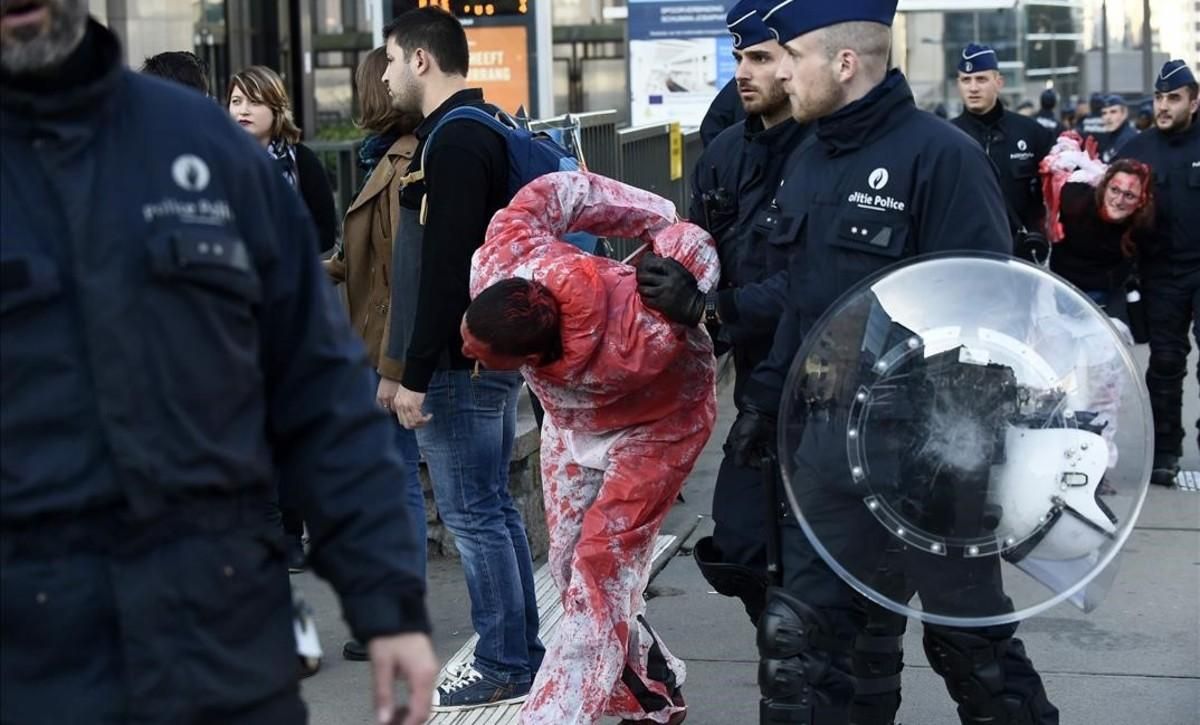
{"points": [[330, 440], [753, 310], [725, 110], [765, 387], [696, 188]]}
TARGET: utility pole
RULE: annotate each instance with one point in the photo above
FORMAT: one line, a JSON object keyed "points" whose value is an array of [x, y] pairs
{"points": [[1147, 50], [1053, 52], [1104, 47]]}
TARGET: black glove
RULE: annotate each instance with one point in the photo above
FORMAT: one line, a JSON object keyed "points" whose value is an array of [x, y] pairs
{"points": [[667, 286], [752, 438]]}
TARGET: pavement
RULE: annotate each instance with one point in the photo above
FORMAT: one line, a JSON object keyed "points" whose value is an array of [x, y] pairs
{"points": [[1136, 659]]}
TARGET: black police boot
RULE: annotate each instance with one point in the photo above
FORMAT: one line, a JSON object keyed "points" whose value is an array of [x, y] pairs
{"points": [[297, 561], [355, 651], [1166, 469]]}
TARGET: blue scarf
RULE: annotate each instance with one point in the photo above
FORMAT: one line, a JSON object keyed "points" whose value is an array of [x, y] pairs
{"points": [[285, 158], [371, 151]]}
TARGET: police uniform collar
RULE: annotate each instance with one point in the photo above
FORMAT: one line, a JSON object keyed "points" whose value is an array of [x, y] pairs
{"points": [[863, 120], [990, 117], [1186, 135], [465, 97], [770, 136], [753, 126], [77, 89]]}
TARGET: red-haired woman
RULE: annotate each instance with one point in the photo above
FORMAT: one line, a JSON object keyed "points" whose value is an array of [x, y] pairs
{"points": [[1101, 225]]}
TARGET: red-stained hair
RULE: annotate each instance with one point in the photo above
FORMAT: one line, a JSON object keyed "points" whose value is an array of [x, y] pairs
{"points": [[1143, 216], [517, 317]]}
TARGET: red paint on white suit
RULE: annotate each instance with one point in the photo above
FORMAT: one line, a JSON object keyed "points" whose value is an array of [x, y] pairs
{"points": [[629, 407]]}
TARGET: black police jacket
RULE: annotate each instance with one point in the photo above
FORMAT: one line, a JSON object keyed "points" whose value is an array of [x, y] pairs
{"points": [[733, 189], [725, 110], [884, 182], [1016, 145], [1048, 121], [167, 333], [1175, 160], [1110, 147]]}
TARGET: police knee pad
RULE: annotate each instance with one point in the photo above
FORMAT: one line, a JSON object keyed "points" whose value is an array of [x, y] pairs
{"points": [[731, 580], [972, 667], [798, 675], [878, 660], [1167, 364]]}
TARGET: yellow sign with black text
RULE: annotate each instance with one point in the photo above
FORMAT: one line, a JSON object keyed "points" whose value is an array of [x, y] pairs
{"points": [[676, 151]]}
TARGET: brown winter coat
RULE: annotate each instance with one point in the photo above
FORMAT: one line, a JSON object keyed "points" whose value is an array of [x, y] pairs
{"points": [[366, 258]]}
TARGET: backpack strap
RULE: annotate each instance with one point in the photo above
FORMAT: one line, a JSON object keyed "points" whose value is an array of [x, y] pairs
{"points": [[474, 113]]}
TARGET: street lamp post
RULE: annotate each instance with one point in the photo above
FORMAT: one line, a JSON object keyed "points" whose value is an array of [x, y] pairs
{"points": [[1104, 47]]}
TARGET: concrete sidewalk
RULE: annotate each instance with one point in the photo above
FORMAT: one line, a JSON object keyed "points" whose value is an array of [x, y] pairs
{"points": [[1134, 660]]}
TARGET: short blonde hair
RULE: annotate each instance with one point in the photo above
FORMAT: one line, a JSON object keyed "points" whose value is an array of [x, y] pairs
{"points": [[262, 85]]}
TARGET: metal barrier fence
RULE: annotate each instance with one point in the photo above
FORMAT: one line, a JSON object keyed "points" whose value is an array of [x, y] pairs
{"points": [[341, 166], [598, 137], [639, 157]]}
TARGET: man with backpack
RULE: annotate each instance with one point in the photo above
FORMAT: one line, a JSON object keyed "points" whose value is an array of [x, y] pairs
{"points": [[465, 419]]}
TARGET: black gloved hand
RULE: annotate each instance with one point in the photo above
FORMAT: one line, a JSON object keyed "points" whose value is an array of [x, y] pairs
{"points": [[752, 438], [667, 286]]}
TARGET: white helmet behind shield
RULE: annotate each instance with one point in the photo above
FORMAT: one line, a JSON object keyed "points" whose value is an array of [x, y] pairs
{"points": [[975, 423]]}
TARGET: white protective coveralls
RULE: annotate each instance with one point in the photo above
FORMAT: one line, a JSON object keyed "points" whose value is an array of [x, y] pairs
{"points": [[629, 407]]}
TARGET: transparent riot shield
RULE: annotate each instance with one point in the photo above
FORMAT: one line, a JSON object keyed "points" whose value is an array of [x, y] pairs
{"points": [[967, 440]]}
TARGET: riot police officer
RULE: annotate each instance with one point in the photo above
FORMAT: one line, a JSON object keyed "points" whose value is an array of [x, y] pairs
{"points": [[732, 197], [883, 182], [1016, 144], [169, 348], [1170, 263]]}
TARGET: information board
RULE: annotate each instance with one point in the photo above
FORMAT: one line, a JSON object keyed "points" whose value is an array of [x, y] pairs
{"points": [[680, 55]]}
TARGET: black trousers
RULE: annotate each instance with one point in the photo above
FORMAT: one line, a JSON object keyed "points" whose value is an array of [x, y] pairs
{"points": [[739, 511], [809, 578], [183, 622], [1172, 308]]}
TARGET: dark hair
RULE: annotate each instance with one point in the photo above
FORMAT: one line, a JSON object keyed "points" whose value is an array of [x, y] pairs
{"points": [[517, 317], [181, 66], [1143, 216], [437, 32]]}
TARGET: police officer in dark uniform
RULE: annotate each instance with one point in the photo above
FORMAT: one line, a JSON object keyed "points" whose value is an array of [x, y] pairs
{"points": [[1118, 130], [169, 347], [1092, 124], [1016, 144], [1046, 116], [732, 194], [883, 182], [1170, 262], [725, 110]]}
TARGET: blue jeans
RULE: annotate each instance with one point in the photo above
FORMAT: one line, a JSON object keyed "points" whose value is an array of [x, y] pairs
{"points": [[410, 456], [468, 447]]}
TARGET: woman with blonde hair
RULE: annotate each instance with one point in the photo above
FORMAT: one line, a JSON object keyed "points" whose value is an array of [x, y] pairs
{"points": [[258, 102], [364, 261]]}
